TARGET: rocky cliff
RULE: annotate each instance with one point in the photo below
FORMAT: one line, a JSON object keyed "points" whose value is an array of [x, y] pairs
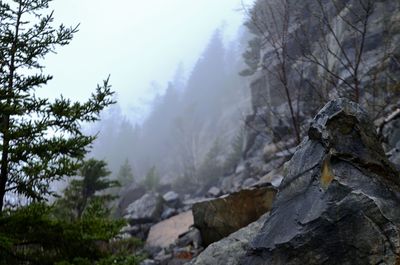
{"points": [[338, 196], [305, 53], [338, 202]]}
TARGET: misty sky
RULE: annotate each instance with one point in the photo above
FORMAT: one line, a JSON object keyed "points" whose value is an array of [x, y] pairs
{"points": [[137, 42]]}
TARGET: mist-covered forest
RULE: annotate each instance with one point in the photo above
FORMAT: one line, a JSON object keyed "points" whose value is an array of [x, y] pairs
{"points": [[267, 132], [195, 113]]}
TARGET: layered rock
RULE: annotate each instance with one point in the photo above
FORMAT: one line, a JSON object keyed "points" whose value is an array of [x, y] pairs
{"points": [[220, 217], [339, 202]]}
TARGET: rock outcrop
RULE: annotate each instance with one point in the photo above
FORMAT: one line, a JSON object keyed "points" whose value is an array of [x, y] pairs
{"points": [[220, 217], [339, 202], [229, 250]]}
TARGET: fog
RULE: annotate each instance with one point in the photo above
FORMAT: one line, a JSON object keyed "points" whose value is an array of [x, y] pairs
{"points": [[192, 123], [138, 43], [174, 67]]}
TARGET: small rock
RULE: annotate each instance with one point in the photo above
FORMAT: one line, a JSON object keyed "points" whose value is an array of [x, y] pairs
{"points": [[273, 178], [168, 212], [214, 192], [249, 182], [192, 237], [240, 168], [140, 230], [190, 202], [163, 258], [269, 151], [148, 262], [171, 198], [153, 251]]}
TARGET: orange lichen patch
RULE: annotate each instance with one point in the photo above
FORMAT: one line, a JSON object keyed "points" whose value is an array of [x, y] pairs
{"points": [[326, 173], [185, 255]]}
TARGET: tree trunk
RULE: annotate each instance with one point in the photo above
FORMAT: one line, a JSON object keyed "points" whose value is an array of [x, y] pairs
{"points": [[4, 162], [6, 118]]}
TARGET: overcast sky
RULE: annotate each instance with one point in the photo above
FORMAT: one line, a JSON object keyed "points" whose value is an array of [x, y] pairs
{"points": [[135, 41]]}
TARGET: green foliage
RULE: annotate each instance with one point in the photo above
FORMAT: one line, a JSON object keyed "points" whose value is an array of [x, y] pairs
{"points": [[125, 174], [32, 235], [87, 193], [252, 55], [41, 141], [212, 167], [236, 153], [152, 180]]}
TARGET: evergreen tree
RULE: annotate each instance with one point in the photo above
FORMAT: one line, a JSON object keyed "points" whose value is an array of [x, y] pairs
{"points": [[236, 153], [31, 235], [212, 167], [86, 193], [40, 141], [152, 180], [125, 174]]}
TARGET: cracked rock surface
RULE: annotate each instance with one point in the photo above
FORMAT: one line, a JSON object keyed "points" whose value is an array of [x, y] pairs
{"points": [[339, 202]]}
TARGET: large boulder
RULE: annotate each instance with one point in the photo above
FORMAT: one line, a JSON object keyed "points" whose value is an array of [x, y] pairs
{"points": [[220, 217], [340, 200], [131, 194], [166, 232], [147, 209]]}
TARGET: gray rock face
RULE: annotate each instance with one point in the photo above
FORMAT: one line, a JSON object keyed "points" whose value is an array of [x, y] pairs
{"points": [[220, 217], [339, 202], [147, 209], [228, 250]]}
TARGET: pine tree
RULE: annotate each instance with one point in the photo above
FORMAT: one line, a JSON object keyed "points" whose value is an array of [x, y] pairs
{"points": [[152, 179], [125, 174], [212, 167], [40, 141], [87, 193]]}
